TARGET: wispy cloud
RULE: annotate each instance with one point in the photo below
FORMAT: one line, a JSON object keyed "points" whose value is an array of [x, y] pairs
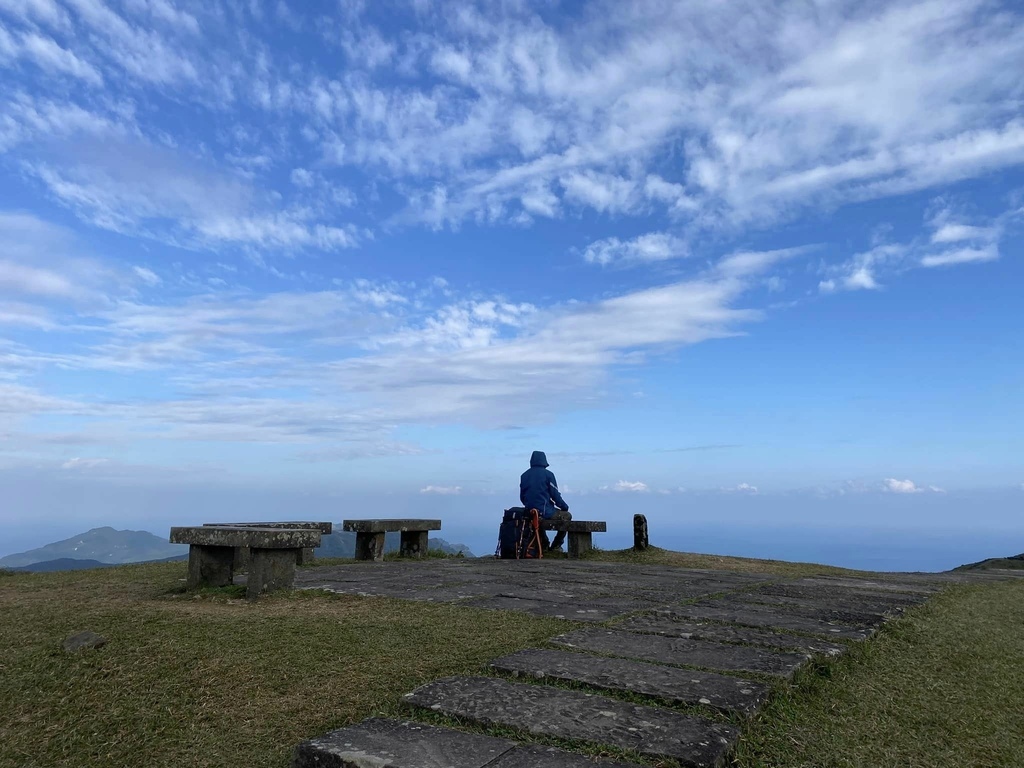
{"points": [[901, 486], [442, 490], [627, 486], [652, 247]]}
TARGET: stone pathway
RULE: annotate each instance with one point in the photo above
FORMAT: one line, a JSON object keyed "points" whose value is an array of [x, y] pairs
{"points": [[683, 658]]}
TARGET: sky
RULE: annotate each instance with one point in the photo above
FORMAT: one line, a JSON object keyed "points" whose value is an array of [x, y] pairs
{"points": [[735, 263]]}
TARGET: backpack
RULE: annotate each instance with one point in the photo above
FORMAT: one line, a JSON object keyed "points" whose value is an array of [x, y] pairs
{"points": [[519, 535]]}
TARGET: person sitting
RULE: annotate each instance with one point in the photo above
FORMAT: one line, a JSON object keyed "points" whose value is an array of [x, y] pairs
{"points": [[538, 490]]}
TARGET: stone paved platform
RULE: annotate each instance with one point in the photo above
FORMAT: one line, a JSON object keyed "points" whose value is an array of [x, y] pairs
{"points": [[687, 638], [576, 590]]}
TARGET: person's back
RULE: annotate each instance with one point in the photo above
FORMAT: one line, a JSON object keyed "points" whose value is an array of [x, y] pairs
{"points": [[538, 490]]}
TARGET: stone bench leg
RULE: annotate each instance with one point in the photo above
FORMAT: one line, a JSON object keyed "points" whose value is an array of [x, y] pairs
{"points": [[305, 556], [369, 546], [269, 570], [209, 566], [580, 543], [414, 544]]}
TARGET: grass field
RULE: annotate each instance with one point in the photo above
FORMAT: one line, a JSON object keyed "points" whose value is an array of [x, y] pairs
{"points": [[212, 680]]}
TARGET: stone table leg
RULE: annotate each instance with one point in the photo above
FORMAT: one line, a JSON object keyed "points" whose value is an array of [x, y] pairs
{"points": [[414, 544], [580, 544], [305, 556], [370, 546], [209, 566], [269, 570]]}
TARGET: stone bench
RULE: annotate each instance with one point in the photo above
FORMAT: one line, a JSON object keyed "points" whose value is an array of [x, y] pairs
{"points": [[580, 533], [305, 555], [370, 536], [273, 553]]}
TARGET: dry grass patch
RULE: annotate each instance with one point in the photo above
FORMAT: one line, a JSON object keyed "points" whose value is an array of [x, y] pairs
{"points": [[943, 687], [213, 680]]}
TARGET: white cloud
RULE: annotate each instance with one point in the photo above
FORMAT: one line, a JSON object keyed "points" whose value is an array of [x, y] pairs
{"points": [[604, 192], [147, 191], [901, 486], [148, 276], [20, 278], [302, 178], [627, 486], [860, 271], [955, 233], [746, 488], [602, 109], [41, 261], [747, 263], [651, 247], [961, 256], [45, 53], [79, 463], [442, 490]]}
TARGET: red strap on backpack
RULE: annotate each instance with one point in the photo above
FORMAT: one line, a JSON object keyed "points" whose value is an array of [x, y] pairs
{"points": [[535, 540]]}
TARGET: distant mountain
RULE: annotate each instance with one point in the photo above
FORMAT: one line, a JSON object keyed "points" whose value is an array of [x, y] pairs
{"points": [[1014, 562], [343, 544], [71, 564], [105, 546], [61, 564]]}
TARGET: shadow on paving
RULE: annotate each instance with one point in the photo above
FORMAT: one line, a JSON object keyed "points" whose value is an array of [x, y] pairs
{"points": [[674, 659]]}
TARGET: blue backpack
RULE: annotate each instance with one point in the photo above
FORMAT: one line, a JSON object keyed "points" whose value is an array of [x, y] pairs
{"points": [[519, 535]]}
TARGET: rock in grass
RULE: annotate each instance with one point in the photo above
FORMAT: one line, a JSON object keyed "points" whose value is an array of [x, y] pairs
{"points": [[84, 641]]}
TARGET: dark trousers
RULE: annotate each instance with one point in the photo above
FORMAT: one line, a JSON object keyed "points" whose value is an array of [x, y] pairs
{"points": [[558, 517]]}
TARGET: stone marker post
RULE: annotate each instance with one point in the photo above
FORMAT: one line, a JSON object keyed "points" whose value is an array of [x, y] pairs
{"points": [[640, 540]]}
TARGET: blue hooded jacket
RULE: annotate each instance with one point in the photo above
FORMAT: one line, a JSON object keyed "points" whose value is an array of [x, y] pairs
{"points": [[538, 488]]}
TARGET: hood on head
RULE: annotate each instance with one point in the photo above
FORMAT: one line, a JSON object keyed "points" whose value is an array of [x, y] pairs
{"points": [[538, 459]]}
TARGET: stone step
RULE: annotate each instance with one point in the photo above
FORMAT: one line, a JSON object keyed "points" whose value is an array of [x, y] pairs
{"points": [[803, 589], [729, 633], [671, 684], [388, 743], [559, 713], [820, 612], [854, 604], [679, 650], [590, 610], [882, 585], [764, 616]]}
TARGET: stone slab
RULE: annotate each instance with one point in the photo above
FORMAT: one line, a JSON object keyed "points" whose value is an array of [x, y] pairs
{"points": [[810, 592], [816, 612], [763, 616], [852, 605], [880, 584], [728, 633], [573, 611], [387, 743], [254, 538], [684, 651], [386, 526], [537, 756], [548, 711], [671, 684], [324, 528], [575, 526]]}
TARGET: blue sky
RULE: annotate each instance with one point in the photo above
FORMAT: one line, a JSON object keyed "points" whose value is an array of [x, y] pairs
{"points": [[697, 252]]}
